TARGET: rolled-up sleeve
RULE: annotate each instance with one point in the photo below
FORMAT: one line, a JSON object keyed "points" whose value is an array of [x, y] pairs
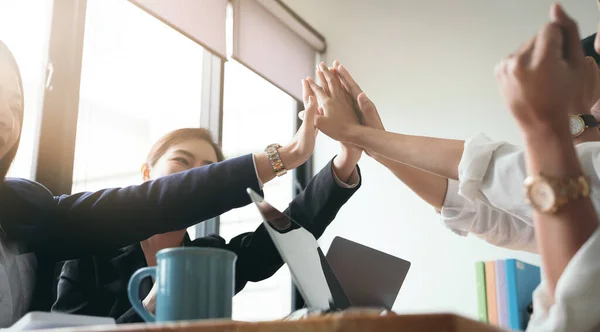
{"points": [[494, 172], [576, 306], [499, 228]]}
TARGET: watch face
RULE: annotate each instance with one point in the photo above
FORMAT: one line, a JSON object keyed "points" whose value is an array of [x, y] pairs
{"points": [[576, 125], [542, 196]]}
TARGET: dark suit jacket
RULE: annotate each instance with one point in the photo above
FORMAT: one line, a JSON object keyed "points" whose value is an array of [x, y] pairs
{"points": [[98, 285], [83, 224]]}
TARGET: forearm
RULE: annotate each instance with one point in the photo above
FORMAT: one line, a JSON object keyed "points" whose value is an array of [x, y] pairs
{"points": [[435, 155], [344, 163], [430, 187], [264, 168], [559, 235]]}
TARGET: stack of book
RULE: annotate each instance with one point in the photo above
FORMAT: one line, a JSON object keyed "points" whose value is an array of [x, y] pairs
{"points": [[504, 292]]}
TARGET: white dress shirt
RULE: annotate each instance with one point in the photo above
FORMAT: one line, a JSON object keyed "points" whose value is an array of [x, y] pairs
{"points": [[489, 201]]}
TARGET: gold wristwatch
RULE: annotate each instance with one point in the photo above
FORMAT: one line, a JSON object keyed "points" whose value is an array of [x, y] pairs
{"points": [[275, 159], [580, 122], [548, 195]]}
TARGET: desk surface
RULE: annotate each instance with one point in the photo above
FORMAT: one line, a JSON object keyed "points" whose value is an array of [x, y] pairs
{"points": [[328, 323]]}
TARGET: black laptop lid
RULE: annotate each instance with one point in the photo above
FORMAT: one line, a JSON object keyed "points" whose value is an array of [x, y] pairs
{"points": [[310, 270]]}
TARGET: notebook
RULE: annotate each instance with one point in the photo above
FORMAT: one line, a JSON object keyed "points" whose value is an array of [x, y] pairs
{"points": [[44, 320]]}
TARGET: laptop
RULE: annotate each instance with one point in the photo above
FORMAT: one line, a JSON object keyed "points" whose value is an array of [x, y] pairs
{"points": [[333, 282]]}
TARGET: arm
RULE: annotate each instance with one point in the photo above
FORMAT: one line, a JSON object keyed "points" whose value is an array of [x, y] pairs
{"points": [[493, 226], [540, 95], [339, 122], [108, 219], [314, 208], [113, 218], [552, 62], [77, 293], [430, 187], [435, 155], [76, 287]]}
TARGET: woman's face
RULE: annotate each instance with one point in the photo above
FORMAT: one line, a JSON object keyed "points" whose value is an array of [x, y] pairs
{"points": [[11, 106], [181, 157]]}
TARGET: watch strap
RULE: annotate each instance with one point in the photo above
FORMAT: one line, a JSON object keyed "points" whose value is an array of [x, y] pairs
{"points": [[589, 120], [275, 160], [566, 189]]}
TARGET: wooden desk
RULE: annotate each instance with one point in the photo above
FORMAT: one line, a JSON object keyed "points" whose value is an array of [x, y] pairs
{"points": [[330, 323]]}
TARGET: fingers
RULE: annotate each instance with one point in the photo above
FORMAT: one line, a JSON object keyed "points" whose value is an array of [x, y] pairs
{"points": [[323, 82], [525, 52], [597, 40], [306, 91], [332, 80], [310, 110], [573, 51], [369, 112], [500, 71], [351, 86], [549, 44], [318, 91], [308, 117]]}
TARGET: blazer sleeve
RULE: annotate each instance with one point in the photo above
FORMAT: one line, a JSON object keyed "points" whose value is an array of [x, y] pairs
{"points": [[130, 316], [76, 288], [89, 222], [314, 208]]}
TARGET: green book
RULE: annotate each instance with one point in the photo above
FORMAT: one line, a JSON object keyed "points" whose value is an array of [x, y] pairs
{"points": [[481, 292]]}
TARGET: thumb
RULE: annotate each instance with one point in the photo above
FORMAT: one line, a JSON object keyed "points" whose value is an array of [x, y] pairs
{"points": [[309, 114], [301, 115], [573, 52], [369, 111]]}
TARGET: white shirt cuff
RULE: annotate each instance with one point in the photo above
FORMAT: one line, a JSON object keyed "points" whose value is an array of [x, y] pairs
{"points": [[454, 210], [576, 296], [473, 166], [260, 183], [353, 180]]}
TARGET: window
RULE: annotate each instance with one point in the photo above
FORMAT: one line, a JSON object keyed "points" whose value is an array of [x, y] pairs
{"points": [[26, 31], [256, 114], [139, 80]]}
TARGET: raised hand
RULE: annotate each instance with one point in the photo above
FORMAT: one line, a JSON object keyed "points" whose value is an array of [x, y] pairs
{"points": [[542, 83], [590, 94], [367, 110], [338, 107], [303, 143]]}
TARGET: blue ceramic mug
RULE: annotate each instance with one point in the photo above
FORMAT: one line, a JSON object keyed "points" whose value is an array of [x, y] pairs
{"points": [[193, 283]]}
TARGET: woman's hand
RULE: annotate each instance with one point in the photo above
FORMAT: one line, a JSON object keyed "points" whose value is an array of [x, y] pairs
{"points": [[366, 108], [339, 115], [150, 301], [302, 145]]}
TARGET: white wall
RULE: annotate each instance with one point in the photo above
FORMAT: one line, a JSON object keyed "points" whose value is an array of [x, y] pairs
{"points": [[428, 66]]}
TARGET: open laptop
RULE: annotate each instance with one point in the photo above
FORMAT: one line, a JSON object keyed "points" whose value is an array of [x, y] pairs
{"points": [[351, 274]]}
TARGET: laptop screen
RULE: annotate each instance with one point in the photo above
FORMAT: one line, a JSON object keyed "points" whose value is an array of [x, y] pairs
{"points": [[310, 270]]}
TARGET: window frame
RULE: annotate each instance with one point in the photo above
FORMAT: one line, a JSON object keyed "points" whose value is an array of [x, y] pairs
{"points": [[53, 164]]}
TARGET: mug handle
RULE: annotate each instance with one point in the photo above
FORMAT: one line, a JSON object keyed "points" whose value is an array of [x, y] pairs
{"points": [[133, 291]]}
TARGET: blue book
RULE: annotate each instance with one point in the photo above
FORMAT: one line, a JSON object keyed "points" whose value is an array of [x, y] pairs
{"points": [[501, 293], [521, 280]]}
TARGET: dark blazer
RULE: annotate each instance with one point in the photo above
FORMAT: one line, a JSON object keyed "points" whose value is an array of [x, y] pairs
{"points": [[98, 285], [83, 224]]}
